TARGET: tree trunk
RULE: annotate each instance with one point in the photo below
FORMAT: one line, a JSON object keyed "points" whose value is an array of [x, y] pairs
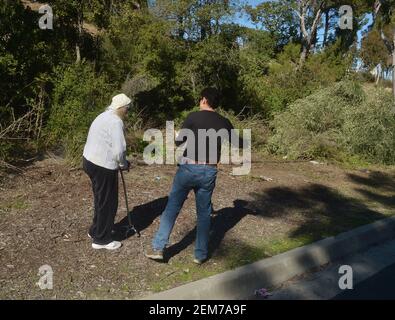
{"points": [[181, 31], [326, 30], [378, 75], [78, 54], [203, 33], [309, 37], [303, 56], [313, 40], [80, 26], [393, 65]]}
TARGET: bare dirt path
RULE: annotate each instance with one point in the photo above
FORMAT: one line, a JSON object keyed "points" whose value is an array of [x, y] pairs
{"points": [[45, 214]]}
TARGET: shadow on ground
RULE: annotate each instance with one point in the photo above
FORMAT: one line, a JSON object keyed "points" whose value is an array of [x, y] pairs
{"points": [[141, 216], [379, 182], [322, 211], [222, 221], [326, 212], [375, 179]]}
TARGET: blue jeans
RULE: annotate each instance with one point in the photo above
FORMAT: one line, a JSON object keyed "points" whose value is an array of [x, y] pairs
{"points": [[200, 179]]}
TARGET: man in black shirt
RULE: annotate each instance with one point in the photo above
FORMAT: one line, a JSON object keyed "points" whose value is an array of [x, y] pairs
{"points": [[203, 132]]}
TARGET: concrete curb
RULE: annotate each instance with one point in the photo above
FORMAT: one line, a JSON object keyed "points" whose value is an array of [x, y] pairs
{"points": [[241, 282]]}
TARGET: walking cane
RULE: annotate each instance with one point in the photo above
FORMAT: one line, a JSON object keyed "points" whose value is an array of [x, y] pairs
{"points": [[131, 227]]}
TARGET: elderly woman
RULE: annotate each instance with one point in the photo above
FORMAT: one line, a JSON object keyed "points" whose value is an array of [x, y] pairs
{"points": [[104, 154]]}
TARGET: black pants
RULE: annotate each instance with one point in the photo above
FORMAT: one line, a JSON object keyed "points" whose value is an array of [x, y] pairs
{"points": [[105, 192]]}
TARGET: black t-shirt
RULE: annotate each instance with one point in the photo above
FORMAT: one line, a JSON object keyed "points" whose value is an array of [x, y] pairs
{"points": [[207, 129]]}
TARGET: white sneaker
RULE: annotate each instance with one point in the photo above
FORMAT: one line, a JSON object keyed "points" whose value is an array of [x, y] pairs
{"points": [[110, 246]]}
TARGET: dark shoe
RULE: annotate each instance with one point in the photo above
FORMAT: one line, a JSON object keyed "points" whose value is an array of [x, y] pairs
{"points": [[154, 254]]}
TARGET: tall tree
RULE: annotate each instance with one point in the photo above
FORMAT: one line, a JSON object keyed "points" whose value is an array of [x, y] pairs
{"points": [[284, 17], [196, 19], [309, 13], [278, 18], [374, 51], [384, 22], [72, 15]]}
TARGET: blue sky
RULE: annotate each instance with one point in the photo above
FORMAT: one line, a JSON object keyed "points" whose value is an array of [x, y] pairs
{"points": [[244, 20]]}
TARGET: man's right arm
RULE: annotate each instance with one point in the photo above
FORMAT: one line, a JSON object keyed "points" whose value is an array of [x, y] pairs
{"points": [[119, 145]]}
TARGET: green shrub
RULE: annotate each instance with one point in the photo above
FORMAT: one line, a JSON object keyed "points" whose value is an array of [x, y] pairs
{"points": [[6, 149], [369, 129], [258, 126], [338, 122], [79, 95], [135, 126], [285, 82]]}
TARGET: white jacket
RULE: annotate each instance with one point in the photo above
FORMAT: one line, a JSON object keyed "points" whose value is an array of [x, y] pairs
{"points": [[106, 145]]}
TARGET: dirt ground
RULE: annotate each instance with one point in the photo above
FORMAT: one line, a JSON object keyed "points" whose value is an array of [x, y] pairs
{"points": [[45, 213]]}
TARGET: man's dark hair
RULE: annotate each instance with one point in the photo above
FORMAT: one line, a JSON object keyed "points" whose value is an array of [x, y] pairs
{"points": [[212, 96]]}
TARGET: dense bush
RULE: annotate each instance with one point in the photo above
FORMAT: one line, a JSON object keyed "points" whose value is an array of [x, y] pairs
{"points": [[79, 95], [162, 53], [334, 121], [369, 129], [285, 82]]}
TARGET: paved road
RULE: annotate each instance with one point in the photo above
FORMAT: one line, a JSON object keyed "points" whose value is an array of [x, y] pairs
{"points": [[379, 286], [373, 278]]}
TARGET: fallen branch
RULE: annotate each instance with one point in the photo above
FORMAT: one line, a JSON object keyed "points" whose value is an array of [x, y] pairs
{"points": [[6, 165]]}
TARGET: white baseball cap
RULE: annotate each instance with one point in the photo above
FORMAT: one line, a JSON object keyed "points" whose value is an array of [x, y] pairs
{"points": [[119, 101]]}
